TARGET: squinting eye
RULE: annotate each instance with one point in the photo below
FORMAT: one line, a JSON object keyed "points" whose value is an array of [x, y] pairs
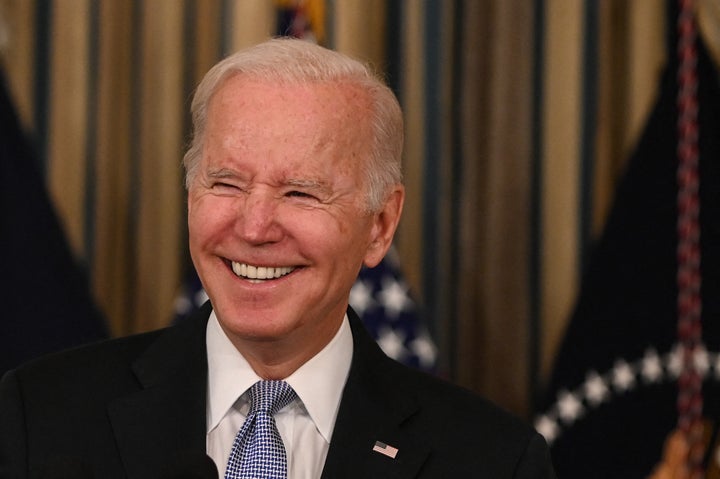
{"points": [[300, 194], [224, 186]]}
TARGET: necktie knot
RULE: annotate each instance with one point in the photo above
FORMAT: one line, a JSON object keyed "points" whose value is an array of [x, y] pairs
{"points": [[258, 451], [270, 396]]}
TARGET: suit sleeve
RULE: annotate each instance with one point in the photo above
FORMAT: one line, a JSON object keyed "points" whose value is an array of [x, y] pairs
{"points": [[13, 443], [536, 462]]}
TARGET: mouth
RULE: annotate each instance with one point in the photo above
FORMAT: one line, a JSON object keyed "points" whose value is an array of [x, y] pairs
{"points": [[258, 274]]}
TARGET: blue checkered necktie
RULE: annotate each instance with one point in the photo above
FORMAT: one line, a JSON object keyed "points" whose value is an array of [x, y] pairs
{"points": [[258, 451]]}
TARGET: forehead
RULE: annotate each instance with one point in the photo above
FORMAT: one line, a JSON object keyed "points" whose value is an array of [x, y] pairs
{"points": [[318, 123], [338, 102], [327, 110]]}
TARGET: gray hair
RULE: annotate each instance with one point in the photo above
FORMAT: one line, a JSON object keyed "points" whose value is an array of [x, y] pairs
{"points": [[292, 61]]}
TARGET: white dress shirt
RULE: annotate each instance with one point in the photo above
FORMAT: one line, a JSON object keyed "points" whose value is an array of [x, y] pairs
{"points": [[305, 425]]}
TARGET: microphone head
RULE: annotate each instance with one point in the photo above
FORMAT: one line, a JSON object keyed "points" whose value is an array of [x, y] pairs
{"points": [[190, 465]]}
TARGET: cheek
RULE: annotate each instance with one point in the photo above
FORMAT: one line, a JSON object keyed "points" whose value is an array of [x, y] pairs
{"points": [[207, 216], [328, 237]]}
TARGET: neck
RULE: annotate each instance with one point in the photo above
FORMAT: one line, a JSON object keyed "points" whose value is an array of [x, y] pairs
{"points": [[279, 358]]}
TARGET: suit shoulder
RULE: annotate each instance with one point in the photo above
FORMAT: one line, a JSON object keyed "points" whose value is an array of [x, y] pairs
{"points": [[465, 432], [464, 410], [107, 358]]}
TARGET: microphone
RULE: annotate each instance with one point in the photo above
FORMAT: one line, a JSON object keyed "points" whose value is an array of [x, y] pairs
{"points": [[190, 465]]}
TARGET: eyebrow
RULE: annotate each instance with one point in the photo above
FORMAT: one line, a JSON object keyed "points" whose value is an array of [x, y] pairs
{"points": [[306, 183], [309, 184], [221, 173]]}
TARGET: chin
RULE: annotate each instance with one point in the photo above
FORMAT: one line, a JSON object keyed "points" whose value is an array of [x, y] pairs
{"points": [[260, 326]]}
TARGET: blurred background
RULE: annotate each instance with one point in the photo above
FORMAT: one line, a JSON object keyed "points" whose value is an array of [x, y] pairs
{"points": [[521, 118]]}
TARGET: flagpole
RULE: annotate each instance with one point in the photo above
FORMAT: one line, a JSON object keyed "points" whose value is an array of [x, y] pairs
{"points": [[689, 303]]}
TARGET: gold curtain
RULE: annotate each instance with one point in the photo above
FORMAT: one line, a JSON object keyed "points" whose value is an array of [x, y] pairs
{"points": [[631, 51], [105, 87], [494, 233], [118, 77]]}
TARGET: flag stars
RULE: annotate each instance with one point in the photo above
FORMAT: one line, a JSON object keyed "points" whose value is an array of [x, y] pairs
{"points": [[623, 377], [382, 300], [394, 297], [200, 297], [425, 350], [548, 428], [596, 389], [701, 360], [391, 343], [674, 362], [569, 406], [651, 367], [182, 305], [361, 297]]}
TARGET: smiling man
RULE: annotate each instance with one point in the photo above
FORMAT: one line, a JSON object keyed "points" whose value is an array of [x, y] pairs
{"points": [[294, 184], [279, 220]]}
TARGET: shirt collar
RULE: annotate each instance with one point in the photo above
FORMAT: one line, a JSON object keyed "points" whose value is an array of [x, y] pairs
{"points": [[318, 383]]}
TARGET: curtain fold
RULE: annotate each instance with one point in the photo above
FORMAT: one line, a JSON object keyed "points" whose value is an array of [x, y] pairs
{"points": [[494, 94]]}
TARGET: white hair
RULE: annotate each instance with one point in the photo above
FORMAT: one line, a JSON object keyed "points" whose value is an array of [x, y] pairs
{"points": [[291, 61]]}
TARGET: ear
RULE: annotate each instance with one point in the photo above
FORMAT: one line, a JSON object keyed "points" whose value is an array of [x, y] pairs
{"points": [[385, 223]]}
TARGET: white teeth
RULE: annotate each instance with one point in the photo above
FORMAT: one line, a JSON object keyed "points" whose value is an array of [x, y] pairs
{"points": [[259, 272]]}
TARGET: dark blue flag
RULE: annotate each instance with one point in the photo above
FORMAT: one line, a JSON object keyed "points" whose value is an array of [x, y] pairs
{"points": [[45, 301], [612, 399], [382, 299]]}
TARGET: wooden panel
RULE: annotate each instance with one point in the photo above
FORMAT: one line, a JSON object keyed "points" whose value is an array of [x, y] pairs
{"points": [[630, 60], [506, 226], [68, 115], [409, 237], [18, 54], [251, 23], [561, 119], [646, 57], [113, 264], [709, 20], [208, 41], [439, 126], [159, 184], [611, 105], [492, 277], [359, 27], [465, 343]]}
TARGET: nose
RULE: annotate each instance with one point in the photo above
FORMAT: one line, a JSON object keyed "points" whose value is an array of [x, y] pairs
{"points": [[257, 221]]}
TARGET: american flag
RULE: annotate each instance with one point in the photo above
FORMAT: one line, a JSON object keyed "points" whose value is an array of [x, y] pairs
{"points": [[47, 304], [385, 449], [383, 300]]}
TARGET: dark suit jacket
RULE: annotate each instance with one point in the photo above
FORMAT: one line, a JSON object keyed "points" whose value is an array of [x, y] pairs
{"points": [[127, 407]]}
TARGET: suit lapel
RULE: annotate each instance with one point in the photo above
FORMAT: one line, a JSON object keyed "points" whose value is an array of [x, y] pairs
{"points": [[168, 411], [373, 408]]}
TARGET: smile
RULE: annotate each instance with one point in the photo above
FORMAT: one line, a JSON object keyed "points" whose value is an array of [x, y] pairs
{"points": [[256, 273]]}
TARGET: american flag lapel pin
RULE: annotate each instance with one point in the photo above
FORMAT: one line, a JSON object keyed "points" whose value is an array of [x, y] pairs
{"points": [[385, 449]]}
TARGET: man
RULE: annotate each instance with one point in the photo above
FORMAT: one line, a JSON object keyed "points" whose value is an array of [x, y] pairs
{"points": [[293, 184]]}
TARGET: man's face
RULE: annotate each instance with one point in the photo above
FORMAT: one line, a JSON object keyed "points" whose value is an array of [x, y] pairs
{"points": [[277, 218]]}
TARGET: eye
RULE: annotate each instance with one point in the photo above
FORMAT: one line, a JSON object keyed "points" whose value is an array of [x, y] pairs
{"points": [[300, 194], [224, 187]]}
